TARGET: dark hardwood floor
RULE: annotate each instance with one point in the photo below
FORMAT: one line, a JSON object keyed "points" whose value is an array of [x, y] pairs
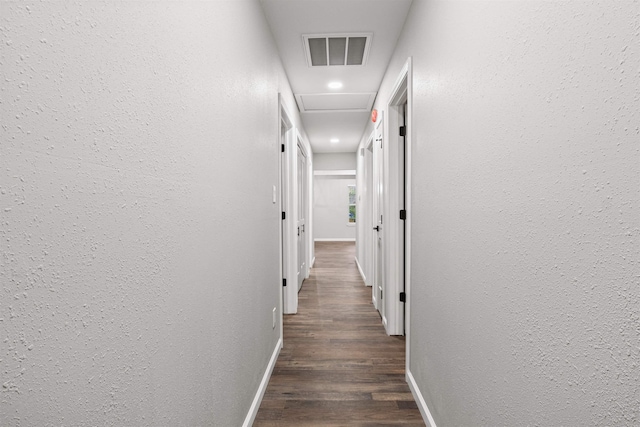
{"points": [[338, 367]]}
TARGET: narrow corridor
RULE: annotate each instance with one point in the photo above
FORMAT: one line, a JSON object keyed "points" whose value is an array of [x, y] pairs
{"points": [[338, 367]]}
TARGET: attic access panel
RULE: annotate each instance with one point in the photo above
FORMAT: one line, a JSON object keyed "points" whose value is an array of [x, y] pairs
{"points": [[337, 49], [335, 102]]}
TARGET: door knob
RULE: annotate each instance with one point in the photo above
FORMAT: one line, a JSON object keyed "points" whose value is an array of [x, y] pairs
{"points": [[377, 228]]}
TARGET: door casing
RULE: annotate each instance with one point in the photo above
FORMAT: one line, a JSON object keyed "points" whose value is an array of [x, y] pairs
{"points": [[287, 204], [398, 186], [379, 292], [302, 213]]}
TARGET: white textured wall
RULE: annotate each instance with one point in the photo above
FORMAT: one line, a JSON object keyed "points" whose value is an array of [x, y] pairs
{"points": [[362, 242], [334, 161], [331, 197], [139, 258], [526, 210], [331, 208]]}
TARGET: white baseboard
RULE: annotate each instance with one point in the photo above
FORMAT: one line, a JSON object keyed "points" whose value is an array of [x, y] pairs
{"points": [[257, 400], [364, 278], [422, 405], [335, 239]]}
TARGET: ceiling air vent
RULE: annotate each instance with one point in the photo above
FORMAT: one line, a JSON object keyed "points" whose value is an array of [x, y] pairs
{"points": [[337, 49]]}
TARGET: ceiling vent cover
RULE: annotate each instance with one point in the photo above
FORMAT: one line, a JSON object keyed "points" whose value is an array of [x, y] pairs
{"points": [[337, 49]]}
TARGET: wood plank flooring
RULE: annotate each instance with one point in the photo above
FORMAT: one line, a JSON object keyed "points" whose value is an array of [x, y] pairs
{"points": [[338, 367]]}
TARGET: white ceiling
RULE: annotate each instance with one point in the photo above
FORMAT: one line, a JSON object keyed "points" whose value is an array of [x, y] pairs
{"points": [[291, 19]]}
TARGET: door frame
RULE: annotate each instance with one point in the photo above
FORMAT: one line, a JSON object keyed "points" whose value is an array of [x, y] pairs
{"points": [[399, 271], [378, 215], [305, 205], [365, 210], [287, 204]]}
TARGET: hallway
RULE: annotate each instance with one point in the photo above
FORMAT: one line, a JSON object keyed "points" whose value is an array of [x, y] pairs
{"points": [[151, 195], [338, 367]]}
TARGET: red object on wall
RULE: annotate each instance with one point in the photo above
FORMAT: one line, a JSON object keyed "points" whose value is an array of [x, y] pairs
{"points": [[374, 115]]}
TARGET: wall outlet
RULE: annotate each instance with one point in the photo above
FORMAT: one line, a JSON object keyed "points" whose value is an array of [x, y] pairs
{"points": [[274, 318]]}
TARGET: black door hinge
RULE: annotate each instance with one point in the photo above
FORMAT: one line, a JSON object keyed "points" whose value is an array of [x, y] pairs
{"points": [[403, 130], [282, 147], [403, 297], [284, 282], [403, 214], [284, 216]]}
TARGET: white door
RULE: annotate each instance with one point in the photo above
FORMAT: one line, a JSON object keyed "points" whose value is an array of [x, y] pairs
{"points": [[397, 200], [367, 215], [402, 196], [283, 207], [289, 217], [378, 220], [301, 225]]}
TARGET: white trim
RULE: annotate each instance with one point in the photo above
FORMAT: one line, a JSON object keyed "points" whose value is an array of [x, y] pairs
{"points": [[397, 241], [309, 219], [401, 80], [365, 223], [289, 196], [364, 278], [409, 207], [422, 405], [257, 399], [379, 206], [306, 205], [407, 203], [335, 172], [334, 239]]}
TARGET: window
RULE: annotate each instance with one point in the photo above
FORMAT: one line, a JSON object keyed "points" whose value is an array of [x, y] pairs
{"points": [[352, 203]]}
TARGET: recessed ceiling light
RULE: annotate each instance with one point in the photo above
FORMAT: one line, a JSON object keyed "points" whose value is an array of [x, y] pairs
{"points": [[335, 85], [334, 140]]}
